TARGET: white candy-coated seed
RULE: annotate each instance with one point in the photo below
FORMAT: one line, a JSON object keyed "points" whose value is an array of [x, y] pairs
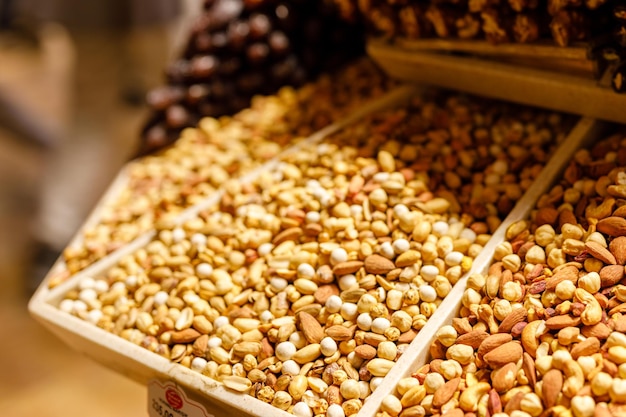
{"points": [[204, 270], [380, 324], [375, 382], [178, 235], [300, 409], [312, 217], [454, 258], [306, 270], [338, 255], [94, 316], [335, 410], [349, 311], [386, 250], [291, 367], [364, 321], [429, 272], [160, 298], [333, 304], [87, 282], [400, 209], [328, 346], [198, 364], [348, 282], [266, 316], [220, 321], [214, 342], [427, 293], [67, 306], [356, 210], [285, 350], [468, 234], [400, 245], [440, 228], [101, 286], [198, 239], [265, 249], [130, 282], [88, 295], [79, 306]]}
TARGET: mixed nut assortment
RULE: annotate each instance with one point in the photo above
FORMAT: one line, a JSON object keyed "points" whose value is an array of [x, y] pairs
{"points": [[303, 285], [166, 183], [542, 332]]}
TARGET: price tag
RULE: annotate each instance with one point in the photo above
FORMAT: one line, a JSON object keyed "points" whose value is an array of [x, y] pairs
{"points": [[166, 399]]}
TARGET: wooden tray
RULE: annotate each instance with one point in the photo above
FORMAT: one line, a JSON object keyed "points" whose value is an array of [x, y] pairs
{"points": [[431, 63], [144, 366]]}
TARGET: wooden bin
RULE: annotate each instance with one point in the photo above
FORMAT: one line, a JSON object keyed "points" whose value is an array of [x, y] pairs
{"points": [[144, 366]]}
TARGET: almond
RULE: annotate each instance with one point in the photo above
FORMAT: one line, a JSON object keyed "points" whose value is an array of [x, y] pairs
{"points": [[620, 211], [292, 233], [612, 226], [587, 347], [444, 393], [347, 267], [473, 338], [551, 387], [599, 330], [185, 336], [566, 216], [518, 315], [408, 258], [567, 272], [546, 215], [365, 352], [611, 275], [618, 248], [340, 333], [500, 356], [528, 365], [310, 327], [323, 293], [562, 321], [378, 265], [600, 252], [407, 337], [492, 342], [504, 378]]}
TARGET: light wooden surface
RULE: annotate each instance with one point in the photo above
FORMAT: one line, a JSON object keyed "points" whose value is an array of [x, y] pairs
{"points": [[542, 88]]}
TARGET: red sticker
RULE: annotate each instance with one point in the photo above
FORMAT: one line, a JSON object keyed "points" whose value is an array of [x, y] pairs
{"points": [[173, 399]]}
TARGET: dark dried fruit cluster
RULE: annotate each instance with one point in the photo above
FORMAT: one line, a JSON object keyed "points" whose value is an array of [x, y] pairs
{"points": [[240, 48]]}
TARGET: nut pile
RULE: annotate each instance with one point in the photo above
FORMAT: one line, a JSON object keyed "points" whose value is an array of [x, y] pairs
{"points": [[302, 287], [521, 21], [543, 332], [193, 168]]}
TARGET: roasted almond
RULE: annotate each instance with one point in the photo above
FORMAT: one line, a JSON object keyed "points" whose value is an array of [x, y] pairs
{"points": [[504, 378], [546, 215], [365, 351], [340, 333], [612, 226], [599, 330], [378, 265], [562, 321], [528, 365], [618, 248], [310, 327], [518, 315], [473, 338], [493, 341], [500, 356], [324, 292], [292, 233], [611, 275], [347, 267], [567, 272], [444, 393], [600, 252], [551, 387]]}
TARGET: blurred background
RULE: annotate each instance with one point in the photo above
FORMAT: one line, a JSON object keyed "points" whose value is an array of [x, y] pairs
{"points": [[73, 77]]}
